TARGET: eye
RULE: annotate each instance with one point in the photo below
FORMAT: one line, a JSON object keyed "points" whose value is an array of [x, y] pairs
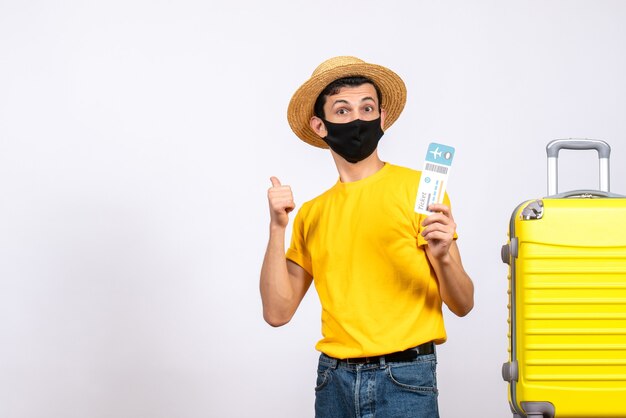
{"points": [[342, 111], [369, 108]]}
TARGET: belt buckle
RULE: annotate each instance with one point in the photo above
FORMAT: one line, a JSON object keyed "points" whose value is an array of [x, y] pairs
{"points": [[362, 360]]}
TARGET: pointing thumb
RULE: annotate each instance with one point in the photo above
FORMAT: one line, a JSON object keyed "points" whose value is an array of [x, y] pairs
{"points": [[275, 181]]}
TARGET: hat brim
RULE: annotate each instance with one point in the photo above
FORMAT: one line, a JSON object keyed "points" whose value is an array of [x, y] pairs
{"points": [[300, 110]]}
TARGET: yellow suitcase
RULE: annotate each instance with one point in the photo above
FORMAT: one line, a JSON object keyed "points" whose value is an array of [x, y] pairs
{"points": [[567, 299]]}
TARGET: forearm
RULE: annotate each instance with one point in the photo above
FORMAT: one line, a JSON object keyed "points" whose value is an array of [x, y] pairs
{"points": [[455, 286], [277, 292]]}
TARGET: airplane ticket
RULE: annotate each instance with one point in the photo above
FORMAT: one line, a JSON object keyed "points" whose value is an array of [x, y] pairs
{"points": [[434, 177]]}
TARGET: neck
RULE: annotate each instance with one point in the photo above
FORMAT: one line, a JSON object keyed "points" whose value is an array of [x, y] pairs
{"points": [[349, 172]]}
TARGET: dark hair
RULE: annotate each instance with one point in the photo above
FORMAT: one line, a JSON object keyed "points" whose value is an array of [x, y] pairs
{"points": [[335, 86]]}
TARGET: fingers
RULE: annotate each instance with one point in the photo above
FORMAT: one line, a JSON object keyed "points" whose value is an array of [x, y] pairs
{"points": [[440, 225], [442, 236], [440, 213], [281, 200], [279, 194], [440, 208], [438, 231]]}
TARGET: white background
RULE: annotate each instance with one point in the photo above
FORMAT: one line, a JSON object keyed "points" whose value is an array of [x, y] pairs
{"points": [[137, 139]]}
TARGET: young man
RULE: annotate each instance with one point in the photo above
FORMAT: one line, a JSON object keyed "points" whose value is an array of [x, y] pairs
{"points": [[381, 270]]}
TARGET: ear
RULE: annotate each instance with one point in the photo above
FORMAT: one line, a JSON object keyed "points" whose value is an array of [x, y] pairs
{"points": [[383, 114], [318, 126]]}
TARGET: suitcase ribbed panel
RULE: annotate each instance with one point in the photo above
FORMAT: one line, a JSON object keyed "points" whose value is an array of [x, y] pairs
{"points": [[574, 316], [570, 307]]}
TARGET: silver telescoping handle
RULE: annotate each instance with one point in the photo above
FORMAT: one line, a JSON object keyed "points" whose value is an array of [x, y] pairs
{"points": [[553, 148]]}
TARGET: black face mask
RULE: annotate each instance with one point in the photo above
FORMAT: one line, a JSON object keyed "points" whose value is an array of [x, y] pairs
{"points": [[354, 141]]}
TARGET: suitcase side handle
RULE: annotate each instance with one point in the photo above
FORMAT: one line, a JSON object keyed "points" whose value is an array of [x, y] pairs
{"points": [[553, 148]]}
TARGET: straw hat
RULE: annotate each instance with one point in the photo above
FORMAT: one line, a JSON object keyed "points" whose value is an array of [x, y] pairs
{"points": [[301, 105]]}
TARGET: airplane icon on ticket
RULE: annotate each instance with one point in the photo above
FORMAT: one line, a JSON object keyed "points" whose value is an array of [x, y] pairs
{"points": [[436, 153]]}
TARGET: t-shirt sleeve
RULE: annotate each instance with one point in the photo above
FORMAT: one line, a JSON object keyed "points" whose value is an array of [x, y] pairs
{"points": [[420, 218], [297, 251]]}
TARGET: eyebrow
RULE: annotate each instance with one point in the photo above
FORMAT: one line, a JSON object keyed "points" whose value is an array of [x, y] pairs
{"points": [[346, 102]]}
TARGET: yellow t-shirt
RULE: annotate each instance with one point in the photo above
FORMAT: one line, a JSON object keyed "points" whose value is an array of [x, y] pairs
{"points": [[361, 242]]}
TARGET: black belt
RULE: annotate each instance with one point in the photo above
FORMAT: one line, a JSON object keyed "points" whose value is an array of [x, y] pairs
{"points": [[407, 355]]}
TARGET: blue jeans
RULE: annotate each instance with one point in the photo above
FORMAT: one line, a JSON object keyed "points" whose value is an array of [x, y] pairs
{"points": [[378, 390]]}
